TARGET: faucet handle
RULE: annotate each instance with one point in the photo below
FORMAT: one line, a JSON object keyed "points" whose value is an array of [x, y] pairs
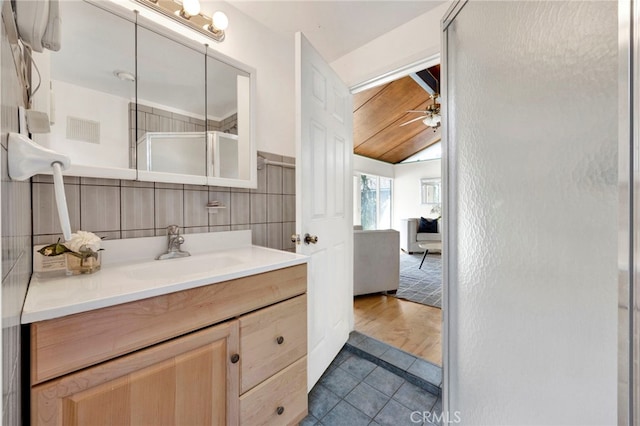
{"points": [[173, 230]]}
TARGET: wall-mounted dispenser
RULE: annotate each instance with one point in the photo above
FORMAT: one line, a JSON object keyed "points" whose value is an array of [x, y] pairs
{"points": [[27, 158]]}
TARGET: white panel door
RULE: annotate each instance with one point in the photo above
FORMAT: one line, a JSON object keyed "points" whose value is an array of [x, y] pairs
{"points": [[323, 203]]}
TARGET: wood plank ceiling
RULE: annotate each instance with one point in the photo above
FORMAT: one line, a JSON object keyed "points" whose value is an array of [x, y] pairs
{"points": [[377, 115]]}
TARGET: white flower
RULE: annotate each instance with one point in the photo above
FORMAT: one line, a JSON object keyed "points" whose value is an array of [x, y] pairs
{"points": [[82, 238]]}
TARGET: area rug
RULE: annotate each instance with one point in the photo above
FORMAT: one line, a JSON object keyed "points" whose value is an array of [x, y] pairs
{"points": [[421, 285]]}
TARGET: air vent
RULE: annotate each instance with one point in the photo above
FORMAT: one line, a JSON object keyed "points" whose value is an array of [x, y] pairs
{"points": [[79, 129]]}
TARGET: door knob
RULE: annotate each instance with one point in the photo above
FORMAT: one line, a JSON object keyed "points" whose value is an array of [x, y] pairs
{"points": [[310, 239]]}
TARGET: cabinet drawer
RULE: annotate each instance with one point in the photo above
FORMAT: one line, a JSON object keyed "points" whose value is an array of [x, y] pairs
{"points": [[271, 339], [284, 393]]}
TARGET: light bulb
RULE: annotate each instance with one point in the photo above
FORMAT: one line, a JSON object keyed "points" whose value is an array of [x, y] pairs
{"points": [[220, 20], [432, 120], [428, 121], [191, 7]]}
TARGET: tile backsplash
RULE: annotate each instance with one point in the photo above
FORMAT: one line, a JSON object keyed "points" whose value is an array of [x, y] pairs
{"points": [[115, 208], [15, 241]]}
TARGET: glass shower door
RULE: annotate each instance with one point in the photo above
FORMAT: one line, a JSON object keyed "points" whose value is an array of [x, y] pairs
{"points": [[530, 131]]}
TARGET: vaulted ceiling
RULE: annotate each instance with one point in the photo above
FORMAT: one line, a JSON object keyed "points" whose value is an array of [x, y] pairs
{"points": [[378, 113]]}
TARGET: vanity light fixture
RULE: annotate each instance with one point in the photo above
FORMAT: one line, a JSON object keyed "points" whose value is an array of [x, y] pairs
{"points": [[187, 12]]}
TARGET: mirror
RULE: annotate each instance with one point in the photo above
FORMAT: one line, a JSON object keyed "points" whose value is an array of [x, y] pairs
{"points": [[228, 92], [185, 117], [430, 191], [89, 102], [171, 108]]}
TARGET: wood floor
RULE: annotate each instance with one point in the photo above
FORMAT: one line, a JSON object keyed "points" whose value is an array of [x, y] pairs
{"points": [[409, 326]]}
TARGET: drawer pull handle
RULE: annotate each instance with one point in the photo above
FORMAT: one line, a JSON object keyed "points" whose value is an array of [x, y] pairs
{"points": [[280, 340], [235, 358], [280, 410]]}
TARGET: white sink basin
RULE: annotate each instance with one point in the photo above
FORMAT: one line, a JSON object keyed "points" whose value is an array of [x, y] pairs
{"points": [[182, 267]]}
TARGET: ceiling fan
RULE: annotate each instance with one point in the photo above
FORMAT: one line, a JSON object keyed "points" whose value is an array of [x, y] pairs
{"points": [[431, 116]]}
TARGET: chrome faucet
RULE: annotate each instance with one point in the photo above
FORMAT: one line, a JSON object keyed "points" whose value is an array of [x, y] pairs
{"points": [[174, 240]]}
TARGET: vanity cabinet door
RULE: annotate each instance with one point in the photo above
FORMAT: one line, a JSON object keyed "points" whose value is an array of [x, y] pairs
{"points": [[191, 380]]}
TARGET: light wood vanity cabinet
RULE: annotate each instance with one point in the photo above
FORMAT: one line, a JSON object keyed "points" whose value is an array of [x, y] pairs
{"points": [[188, 380], [228, 353]]}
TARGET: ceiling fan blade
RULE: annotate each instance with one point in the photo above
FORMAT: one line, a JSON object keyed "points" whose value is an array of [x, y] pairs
{"points": [[411, 121], [424, 111]]}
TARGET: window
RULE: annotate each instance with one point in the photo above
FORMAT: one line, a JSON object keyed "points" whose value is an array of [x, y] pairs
{"points": [[372, 201]]}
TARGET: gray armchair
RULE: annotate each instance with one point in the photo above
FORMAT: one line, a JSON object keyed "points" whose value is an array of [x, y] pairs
{"points": [[376, 261]]}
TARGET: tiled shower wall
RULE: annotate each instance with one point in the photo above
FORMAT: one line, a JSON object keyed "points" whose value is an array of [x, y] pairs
{"points": [[15, 198], [152, 119], [128, 209]]}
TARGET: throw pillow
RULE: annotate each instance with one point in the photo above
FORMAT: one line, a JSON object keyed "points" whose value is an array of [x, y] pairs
{"points": [[428, 226]]}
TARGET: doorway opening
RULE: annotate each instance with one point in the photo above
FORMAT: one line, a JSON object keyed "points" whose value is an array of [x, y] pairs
{"points": [[389, 128]]}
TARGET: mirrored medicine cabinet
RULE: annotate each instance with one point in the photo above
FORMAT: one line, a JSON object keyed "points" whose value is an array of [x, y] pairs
{"points": [[131, 99]]}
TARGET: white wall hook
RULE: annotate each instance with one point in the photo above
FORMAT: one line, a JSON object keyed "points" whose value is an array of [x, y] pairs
{"points": [[27, 158]]}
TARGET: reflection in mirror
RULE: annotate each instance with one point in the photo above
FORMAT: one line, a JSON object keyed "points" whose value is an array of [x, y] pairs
{"points": [[228, 93], [171, 101], [92, 83], [225, 155], [173, 152]]}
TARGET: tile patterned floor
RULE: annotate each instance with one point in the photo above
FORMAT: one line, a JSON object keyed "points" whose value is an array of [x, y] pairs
{"points": [[355, 391], [415, 370]]}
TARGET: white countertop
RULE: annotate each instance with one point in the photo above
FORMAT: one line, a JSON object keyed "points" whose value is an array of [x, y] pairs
{"points": [[131, 273]]}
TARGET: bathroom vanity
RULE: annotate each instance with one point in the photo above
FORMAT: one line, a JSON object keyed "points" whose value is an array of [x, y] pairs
{"points": [[221, 340]]}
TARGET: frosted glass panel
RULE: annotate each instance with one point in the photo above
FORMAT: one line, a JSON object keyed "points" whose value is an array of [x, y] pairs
{"points": [[227, 154], [531, 121], [157, 153]]}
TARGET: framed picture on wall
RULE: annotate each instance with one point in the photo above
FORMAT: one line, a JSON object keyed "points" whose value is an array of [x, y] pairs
{"points": [[430, 191]]}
